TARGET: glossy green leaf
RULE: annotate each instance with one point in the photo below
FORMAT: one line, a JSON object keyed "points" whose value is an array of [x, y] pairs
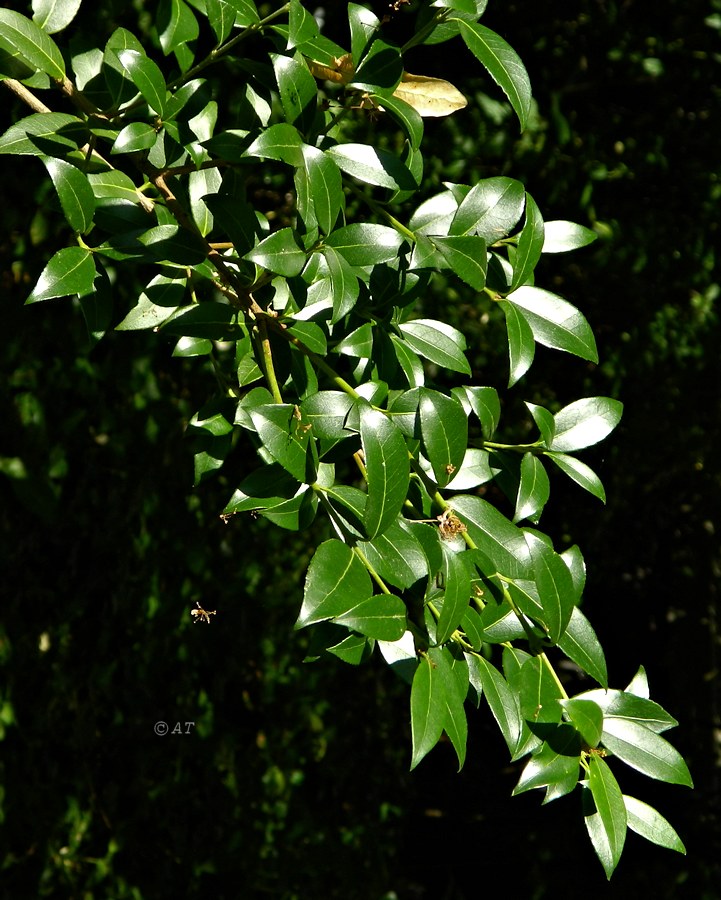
{"points": [[503, 65], [639, 684], [201, 184], [555, 586], [645, 751], [444, 433], [363, 27], [466, 256], [579, 472], [217, 321], [365, 244], [456, 594], [579, 643], [396, 555], [295, 514], [530, 245], [554, 322], [113, 185], [174, 244], [135, 136], [607, 829], [534, 489], [176, 25], [372, 166], [544, 420], [387, 469], [490, 209], [25, 48], [325, 186], [51, 134], [281, 142], [53, 16], [624, 705], [381, 68], [457, 679], [158, 302], [311, 335], [74, 192], [501, 541], [438, 342], [382, 617], [70, 271], [521, 345], [343, 282], [147, 78], [336, 581], [428, 708], [302, 26], [538, 692], [650, 824], [486, 404], [474, 470], [297, 88], [586, 717], [562, 236], [500, 699], [284, 437], [405, 115], [279, 253], [554, 766], [585, 422]]}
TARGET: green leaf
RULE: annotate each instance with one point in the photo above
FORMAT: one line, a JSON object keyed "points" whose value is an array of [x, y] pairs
{"points": [[534, 489], [302, 26], [579, 643], [221, 17], [438, 342], [202, 184], [113, 185], [158, 302], [147, 78], [645, 751], [555, 586], [279, 253], [373, 166], [284, 437], [387, 469], [51, 134], [500, 699], [53, 16], [585, 422], [174, 244], [25, 48], [501, 541], [428, 708], [521, 345], [444, 433], [135, 136], [586, 717], [363, 27], [381, 68], [538, 691], [70, 271], [396, 555], [456, 594], [490, 209], [503, 65], [297, 88], [555, 765], [554, 322], [650, 824], [486, 404], [343, 283], [607, 828], [623, 705], [325, 186], [74, 192], [326, 412], [176, 24], [281, 141], [336, 582], [639, 684], [406, 116], [382, 617], [365, 244], [579, 472], [559, 237], [530, 244], [544, 420], [466, 256]]}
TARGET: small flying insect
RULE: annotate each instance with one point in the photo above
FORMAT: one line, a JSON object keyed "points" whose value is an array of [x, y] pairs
{"points": [[202, 615]]}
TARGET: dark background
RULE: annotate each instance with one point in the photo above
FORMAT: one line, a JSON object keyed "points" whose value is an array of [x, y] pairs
{"points": [[294, 781]]}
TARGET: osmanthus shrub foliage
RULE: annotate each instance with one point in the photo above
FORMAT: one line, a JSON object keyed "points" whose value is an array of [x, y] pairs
{"points": [[361, 409]]}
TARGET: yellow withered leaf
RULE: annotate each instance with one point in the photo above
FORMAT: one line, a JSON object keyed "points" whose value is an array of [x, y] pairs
{"points": [[430, 96]]}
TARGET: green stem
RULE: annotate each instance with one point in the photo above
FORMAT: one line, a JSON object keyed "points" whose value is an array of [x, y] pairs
{"points": [[267, 352]]}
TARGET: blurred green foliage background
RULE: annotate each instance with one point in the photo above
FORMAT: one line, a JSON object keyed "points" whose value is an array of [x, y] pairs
{"points": [[293, 781]]}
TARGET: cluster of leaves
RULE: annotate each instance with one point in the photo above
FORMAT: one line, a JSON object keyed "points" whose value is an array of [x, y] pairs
{"points": [[359, 407]]}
